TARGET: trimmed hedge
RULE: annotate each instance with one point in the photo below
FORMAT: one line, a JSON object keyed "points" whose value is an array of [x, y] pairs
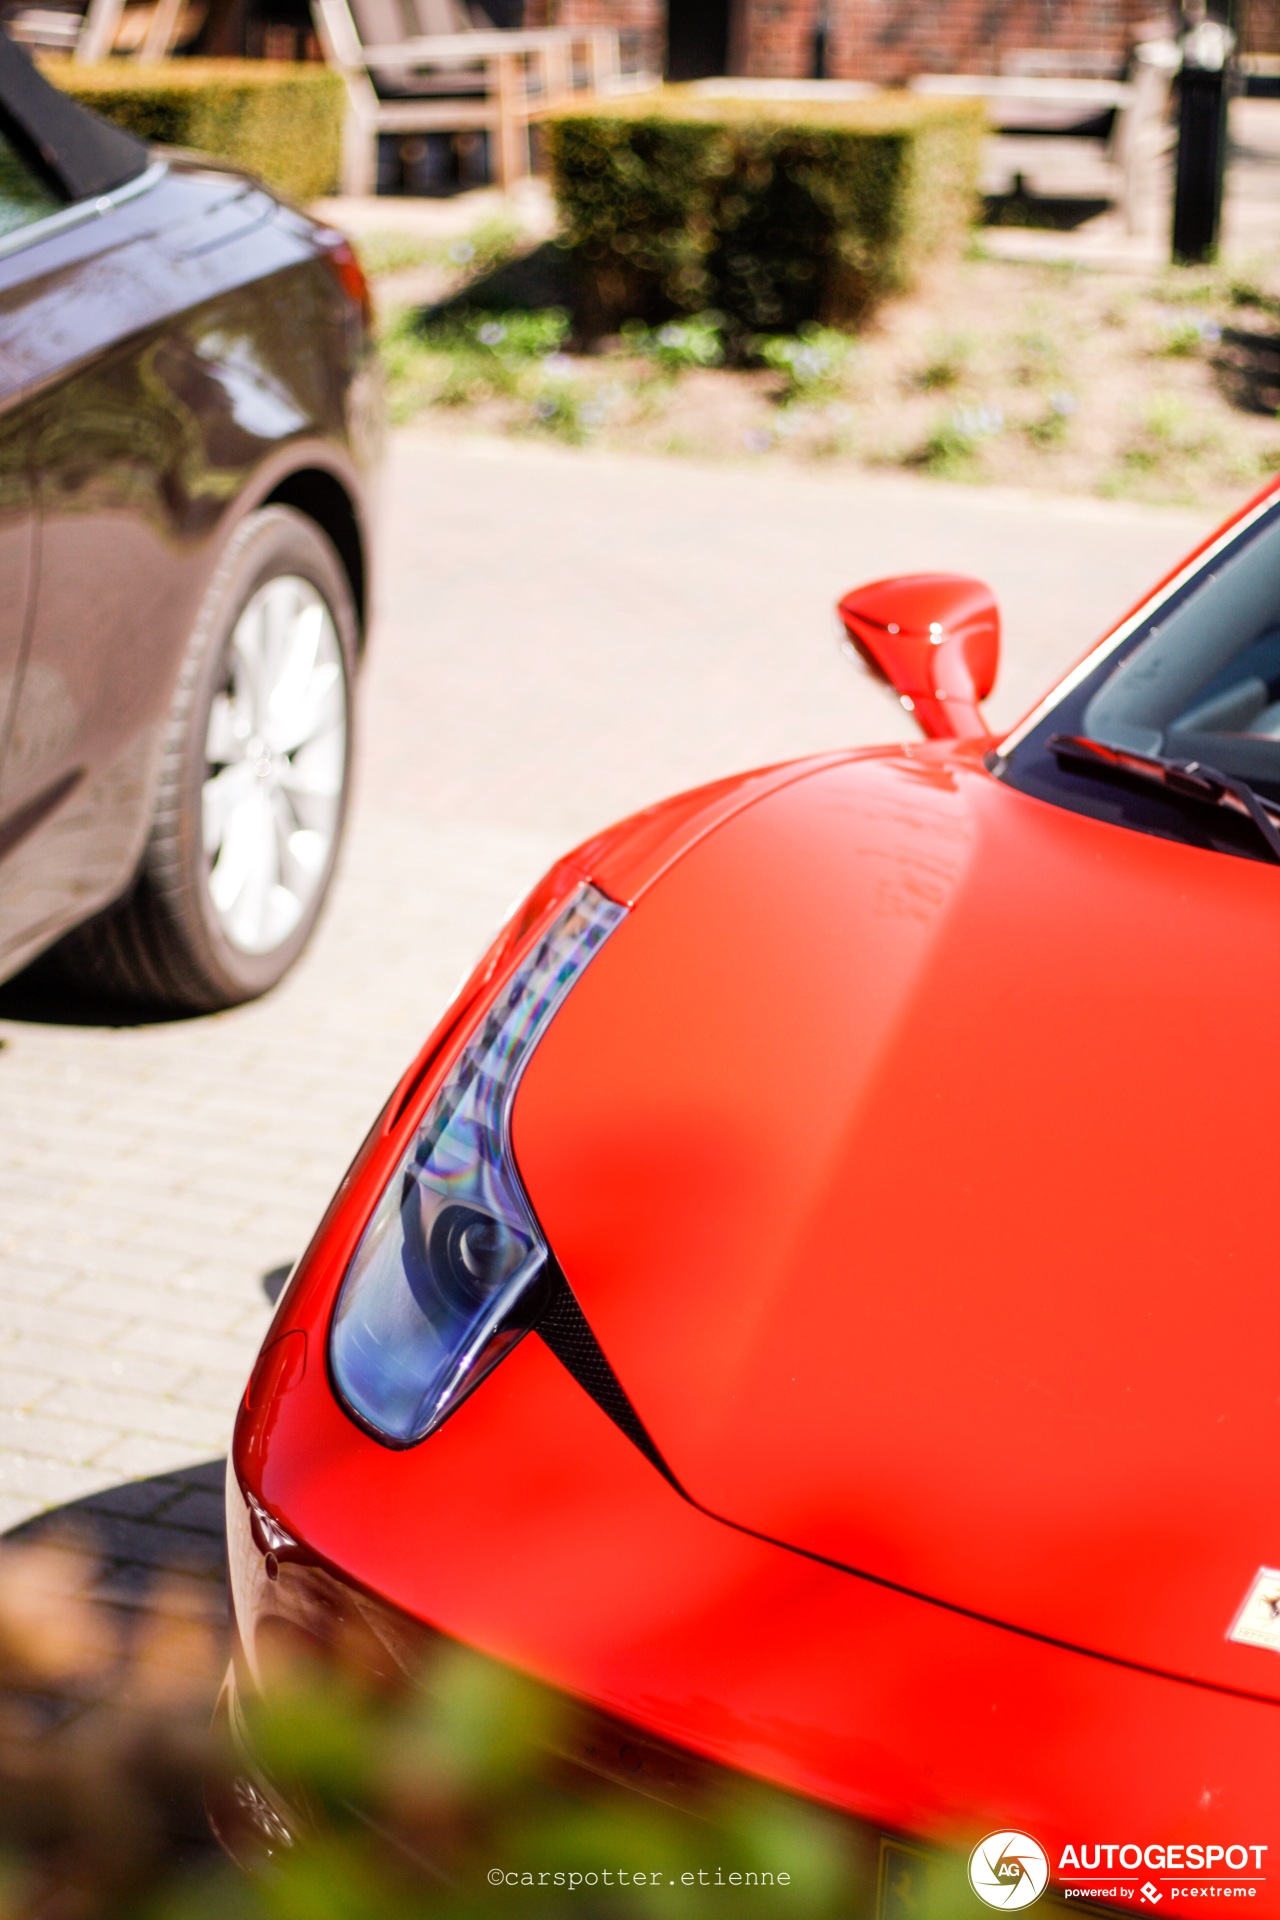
{"points": [[280, 120], [773, 213]]}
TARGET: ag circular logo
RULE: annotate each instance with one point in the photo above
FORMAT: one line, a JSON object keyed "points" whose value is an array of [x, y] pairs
{"points": [[1008, 1870]]}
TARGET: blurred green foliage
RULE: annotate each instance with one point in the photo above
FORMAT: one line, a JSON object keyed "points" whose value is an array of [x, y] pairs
{"points": [[423, 1797], [384, 253], [372, 1794], [678, 344], [812, 362], [465, 356], [489, 244], [772, 214], [281, 120], [946, 365]]}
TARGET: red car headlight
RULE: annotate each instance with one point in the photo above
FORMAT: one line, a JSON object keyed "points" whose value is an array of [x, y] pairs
{"points": [[451, 1270]]}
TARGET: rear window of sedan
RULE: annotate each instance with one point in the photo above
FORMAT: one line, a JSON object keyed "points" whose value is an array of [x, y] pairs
{"points": [[25, 196]]}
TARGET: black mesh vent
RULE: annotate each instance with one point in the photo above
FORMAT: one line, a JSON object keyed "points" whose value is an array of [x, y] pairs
{"points": [[563, 1326]]}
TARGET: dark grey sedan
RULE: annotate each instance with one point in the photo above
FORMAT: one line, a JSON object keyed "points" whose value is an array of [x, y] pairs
{"points": [[189, 415]]}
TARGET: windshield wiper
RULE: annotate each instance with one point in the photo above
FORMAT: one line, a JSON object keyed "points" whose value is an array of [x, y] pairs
{"points": [[1190, 779]]}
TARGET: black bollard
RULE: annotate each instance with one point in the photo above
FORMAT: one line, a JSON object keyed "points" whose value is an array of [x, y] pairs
{"points": [[1202, 147], [819, 58]]}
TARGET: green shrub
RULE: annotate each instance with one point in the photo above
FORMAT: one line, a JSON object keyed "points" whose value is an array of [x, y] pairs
{"points": [[950, 448], [508, 336], [462, 359], [775, 214], [280, 120], [947, 364], [811, 362], [1184, 338], [1050, 430], [679, 344], [384, 253]]}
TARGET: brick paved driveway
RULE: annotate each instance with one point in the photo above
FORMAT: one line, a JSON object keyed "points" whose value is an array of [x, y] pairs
{"points": [[561, 638]]}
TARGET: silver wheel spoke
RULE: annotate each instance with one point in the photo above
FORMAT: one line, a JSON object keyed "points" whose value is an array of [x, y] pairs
{"points": [[275, 750], [312, 780], [219, 800], [245, 857], [227, 730], [292, 686], [318, 705], [248, 645]]}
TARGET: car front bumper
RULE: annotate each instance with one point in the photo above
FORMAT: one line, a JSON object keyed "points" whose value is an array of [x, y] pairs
{"points": [[531, 1530]]}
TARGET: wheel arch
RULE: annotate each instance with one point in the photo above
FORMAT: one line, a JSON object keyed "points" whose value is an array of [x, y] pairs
{"points": [[318, 493]]}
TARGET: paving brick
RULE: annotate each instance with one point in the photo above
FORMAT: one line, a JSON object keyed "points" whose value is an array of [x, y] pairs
{"points": [[154, 1543], [58, 1435], [251, 1328], [128, 1260], [48, 1483], [123, 1412], [60, 1319], [130, 1584], [184, 1306], [26, 1282], [140, 1499], [14, 1509], [236, 1279], [21, 1386], [67, 1361], [210, 1475], [190, 1349], [220, 1391], [199, 1508], [140, 1453]]}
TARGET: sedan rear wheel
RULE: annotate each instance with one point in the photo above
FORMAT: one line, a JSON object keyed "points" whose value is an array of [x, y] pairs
{"points": [[275, 759], [253, 784]]}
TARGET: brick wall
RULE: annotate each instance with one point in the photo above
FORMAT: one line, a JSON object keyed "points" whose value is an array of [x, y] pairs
{"points": [[886, 40], [642, 24], [1262, 29]]}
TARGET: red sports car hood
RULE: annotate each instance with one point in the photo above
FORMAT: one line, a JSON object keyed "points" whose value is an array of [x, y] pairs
{"points": [[911, 1148]]}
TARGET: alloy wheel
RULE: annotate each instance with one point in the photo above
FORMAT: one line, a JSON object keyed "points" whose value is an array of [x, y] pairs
{"points": [[275, 754]]}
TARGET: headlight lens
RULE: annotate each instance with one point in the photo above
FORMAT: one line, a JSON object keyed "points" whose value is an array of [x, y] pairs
{"points": [[450, 1271]]}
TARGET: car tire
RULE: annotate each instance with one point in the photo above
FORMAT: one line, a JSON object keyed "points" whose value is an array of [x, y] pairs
{"points": [[255, 771]]}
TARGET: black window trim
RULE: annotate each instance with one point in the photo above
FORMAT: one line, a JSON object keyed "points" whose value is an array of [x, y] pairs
{"points": [[81, 211], [81, 154]]}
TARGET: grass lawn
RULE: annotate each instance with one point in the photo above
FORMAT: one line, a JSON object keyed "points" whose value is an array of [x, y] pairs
{"points": [[1154, 387]]}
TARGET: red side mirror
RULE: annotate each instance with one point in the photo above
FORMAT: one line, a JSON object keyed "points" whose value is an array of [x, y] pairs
{"points": [[935, 637]]}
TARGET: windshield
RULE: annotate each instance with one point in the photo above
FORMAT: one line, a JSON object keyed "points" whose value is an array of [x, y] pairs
{"points": [[1199, 679]]}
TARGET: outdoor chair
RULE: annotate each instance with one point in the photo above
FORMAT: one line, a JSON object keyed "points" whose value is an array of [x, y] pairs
{"points": [[426, 66], [149, 32], [1126, 118]]}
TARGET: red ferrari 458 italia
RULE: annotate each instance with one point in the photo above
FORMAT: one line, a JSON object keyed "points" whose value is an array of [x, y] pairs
{"points": [[815, 1300]]}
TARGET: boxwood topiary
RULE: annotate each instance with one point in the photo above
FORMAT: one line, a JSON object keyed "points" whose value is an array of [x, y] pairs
{"points": [[773, 213], [280, 120]]}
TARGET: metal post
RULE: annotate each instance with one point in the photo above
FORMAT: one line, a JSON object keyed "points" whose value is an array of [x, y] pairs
{"points": [[821, 42], [1202, 142]]}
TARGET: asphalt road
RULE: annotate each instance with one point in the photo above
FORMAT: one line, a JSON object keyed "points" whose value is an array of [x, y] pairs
{"points": [[560, 638]]}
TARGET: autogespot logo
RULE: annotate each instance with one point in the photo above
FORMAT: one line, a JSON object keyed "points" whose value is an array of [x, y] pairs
{"points": [[1008, 1870]]}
